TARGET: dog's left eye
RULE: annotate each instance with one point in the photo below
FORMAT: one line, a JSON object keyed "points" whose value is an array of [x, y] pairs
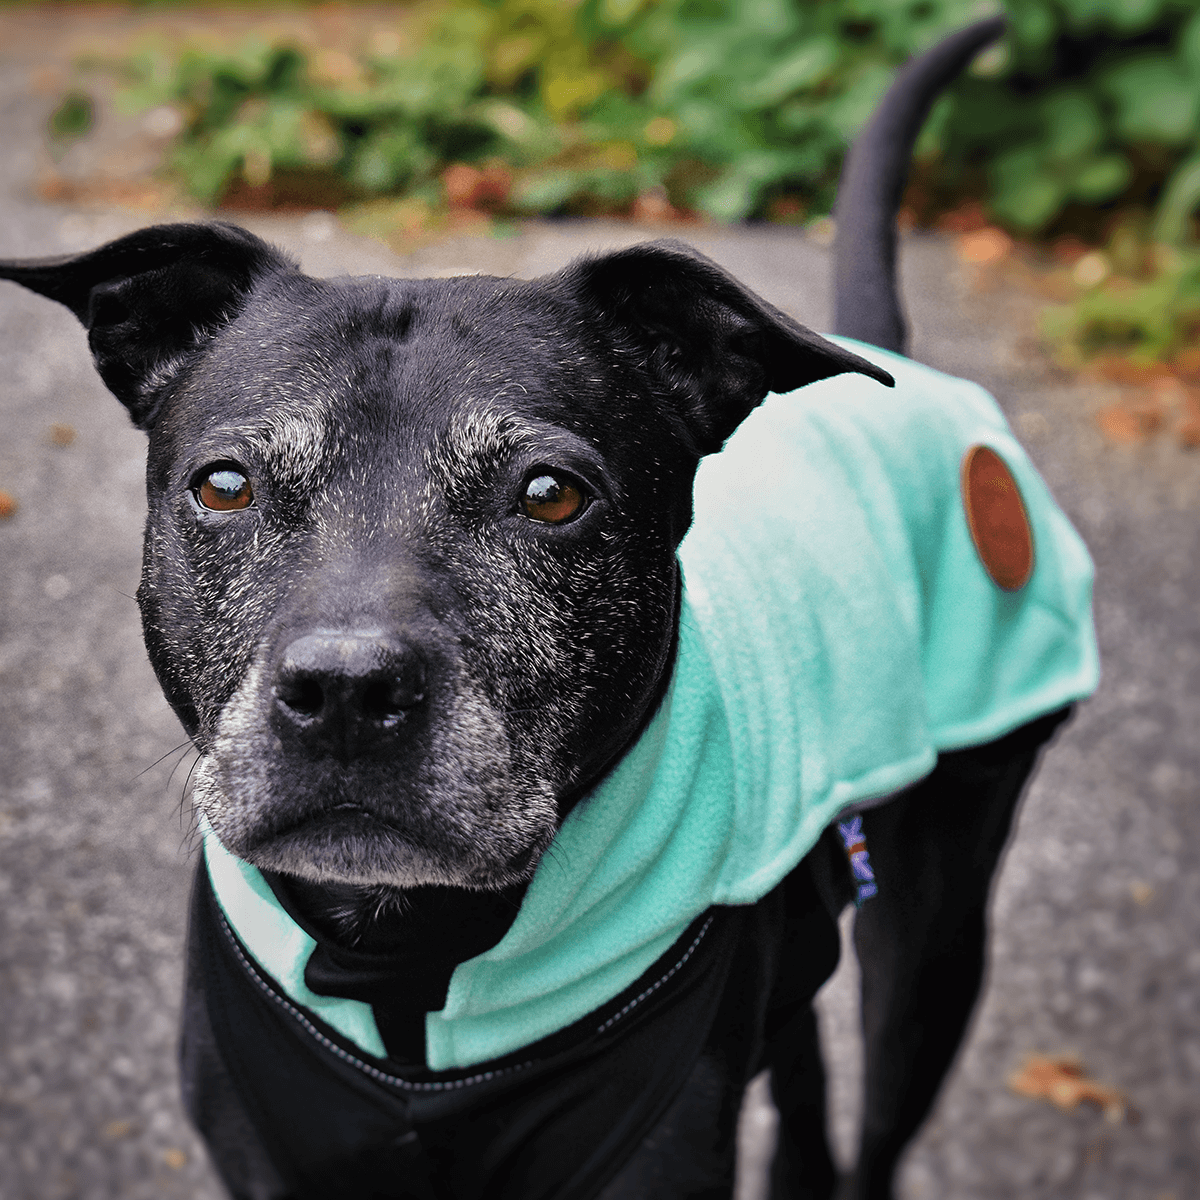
{"points": [[552, 499], [224, 490]]}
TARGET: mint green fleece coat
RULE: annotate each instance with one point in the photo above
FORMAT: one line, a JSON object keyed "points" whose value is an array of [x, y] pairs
{"points": [[838, 630]]}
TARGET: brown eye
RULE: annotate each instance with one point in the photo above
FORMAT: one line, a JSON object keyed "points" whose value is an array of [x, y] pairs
{"points": [[225, 490], [552, 500]]}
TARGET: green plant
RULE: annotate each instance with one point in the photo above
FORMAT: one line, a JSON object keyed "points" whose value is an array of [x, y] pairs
{"points": [[1098, 102], [1136, 300], [733, 110], [384, 123], [749, 102], [723, 108], [73, 117]]}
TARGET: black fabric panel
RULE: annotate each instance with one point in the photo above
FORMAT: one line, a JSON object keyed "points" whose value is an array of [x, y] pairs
{"points": [[328, 1129], [592, 1095]]}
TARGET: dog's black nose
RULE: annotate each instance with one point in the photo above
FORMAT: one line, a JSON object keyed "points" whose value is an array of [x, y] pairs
{"points": [[345, 692]]}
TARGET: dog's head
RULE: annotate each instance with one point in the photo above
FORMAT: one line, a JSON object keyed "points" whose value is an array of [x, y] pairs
{"points": [[410, 577]]}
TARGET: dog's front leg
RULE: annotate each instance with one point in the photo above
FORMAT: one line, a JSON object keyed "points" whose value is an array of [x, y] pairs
{"points": [[921, 940], [803, 1167], [814, 894]]}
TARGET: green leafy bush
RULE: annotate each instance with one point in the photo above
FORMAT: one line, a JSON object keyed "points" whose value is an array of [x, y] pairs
{"points": [[733, 110], [748, 103], [1098, 102], [73, 118], [386, 123], [721, 108]]}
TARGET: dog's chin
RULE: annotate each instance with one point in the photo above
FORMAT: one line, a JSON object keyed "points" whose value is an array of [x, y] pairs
{"points": [[352, 846], [324, 835]]}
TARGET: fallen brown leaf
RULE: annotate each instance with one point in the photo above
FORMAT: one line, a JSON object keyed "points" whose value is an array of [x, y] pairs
{"points": [[784, 209], [1063, 1081], [485, 188], [984, 245], [1187, 432], [966, 218], [1187, 364], [1130, 421], [8, 505], [653, 206], [1117, 369], [1068, 250]]}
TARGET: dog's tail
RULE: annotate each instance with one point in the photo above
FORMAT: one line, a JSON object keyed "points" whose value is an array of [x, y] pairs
{"points": [[866, 302]]}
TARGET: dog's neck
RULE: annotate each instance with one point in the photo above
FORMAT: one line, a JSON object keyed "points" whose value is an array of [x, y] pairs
{"points": [[438, 922]]}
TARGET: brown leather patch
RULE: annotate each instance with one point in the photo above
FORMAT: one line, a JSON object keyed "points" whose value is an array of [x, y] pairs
{"points": [[997, 518]]}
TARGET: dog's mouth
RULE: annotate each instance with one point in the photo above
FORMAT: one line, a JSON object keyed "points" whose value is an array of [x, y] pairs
{"points": [[341, 818], [349, 844], [347, 840], [347, 807], [348, 823]]}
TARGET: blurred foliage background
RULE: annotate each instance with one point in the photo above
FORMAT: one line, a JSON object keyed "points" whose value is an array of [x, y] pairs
{"points": [[1083, 125]]}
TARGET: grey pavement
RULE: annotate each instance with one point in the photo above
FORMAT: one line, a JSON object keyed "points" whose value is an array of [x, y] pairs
{"points": [[1096, 947]]}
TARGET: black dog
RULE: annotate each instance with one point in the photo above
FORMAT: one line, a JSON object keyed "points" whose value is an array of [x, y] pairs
{"points": [[411, 583]]}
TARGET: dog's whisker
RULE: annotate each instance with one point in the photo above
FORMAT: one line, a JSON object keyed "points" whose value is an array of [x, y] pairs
{"points": [[191, 845], [183, 746], [187, 746], [184, 790]]}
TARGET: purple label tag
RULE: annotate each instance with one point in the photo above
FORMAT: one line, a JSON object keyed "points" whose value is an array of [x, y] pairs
{"points": [[854, 842]]}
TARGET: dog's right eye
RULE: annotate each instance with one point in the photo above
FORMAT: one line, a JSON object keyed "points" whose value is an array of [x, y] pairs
{"points": [[552, 499], [224, 490]]}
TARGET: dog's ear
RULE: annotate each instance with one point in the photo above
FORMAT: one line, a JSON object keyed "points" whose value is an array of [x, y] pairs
{"points": [[714, 346], [151, 299]]}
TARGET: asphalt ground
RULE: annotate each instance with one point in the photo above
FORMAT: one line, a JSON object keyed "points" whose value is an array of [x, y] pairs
{"points": [[1096, 918]]}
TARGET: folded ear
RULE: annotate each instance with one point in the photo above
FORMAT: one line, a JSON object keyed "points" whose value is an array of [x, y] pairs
{"points": [[151, 299], [711, 344]]}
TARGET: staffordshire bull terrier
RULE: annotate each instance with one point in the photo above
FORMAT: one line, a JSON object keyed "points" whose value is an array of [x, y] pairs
{"points": [[558, 674]]}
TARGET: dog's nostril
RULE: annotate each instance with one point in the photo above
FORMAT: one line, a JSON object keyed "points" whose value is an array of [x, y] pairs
{"points": [[386, 699], [303, 695]]}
